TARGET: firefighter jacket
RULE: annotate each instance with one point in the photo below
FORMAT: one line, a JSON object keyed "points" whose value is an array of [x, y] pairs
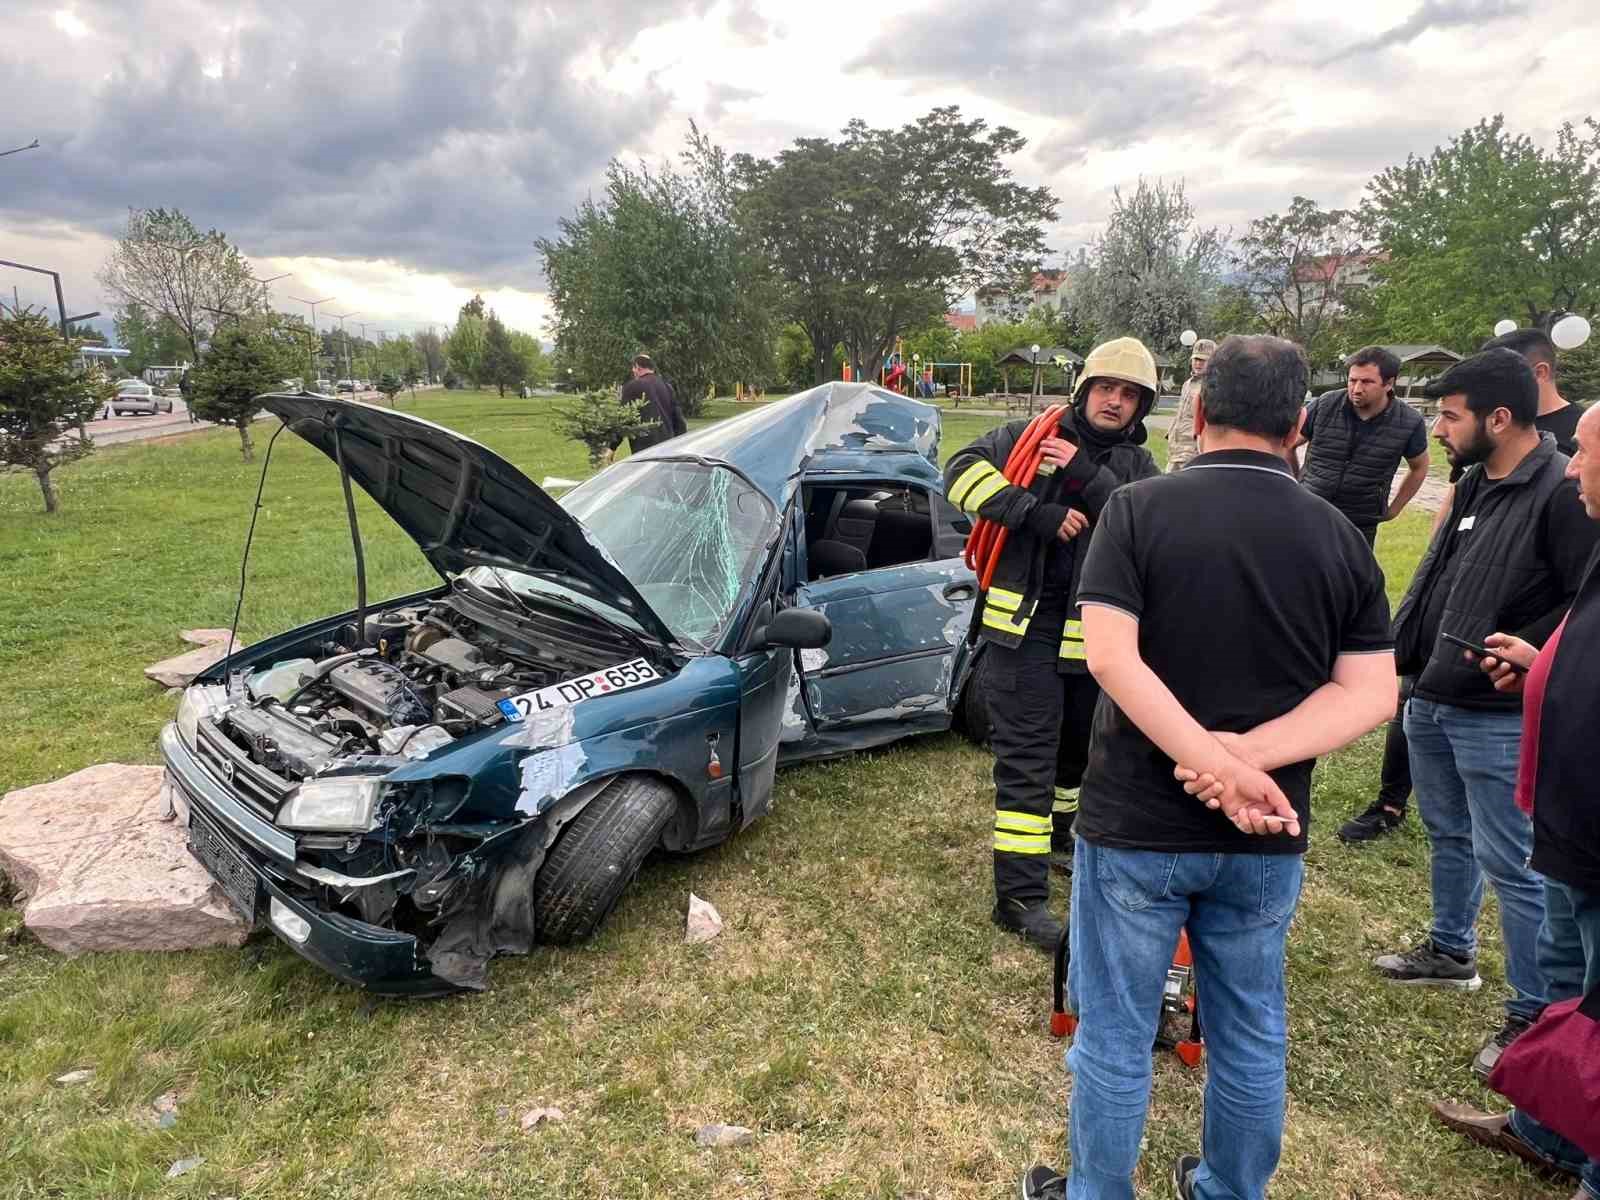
{"points": [[1031, 516]]}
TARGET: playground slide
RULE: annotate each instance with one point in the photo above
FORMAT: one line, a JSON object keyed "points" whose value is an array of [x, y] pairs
{"points": [[893, 376]]}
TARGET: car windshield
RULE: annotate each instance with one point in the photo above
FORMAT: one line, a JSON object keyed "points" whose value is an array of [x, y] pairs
{"points": [[688, 535]]}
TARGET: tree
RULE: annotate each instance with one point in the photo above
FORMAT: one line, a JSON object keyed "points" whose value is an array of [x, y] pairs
{"points": [[658, 264], [1487, 227], [389, 384], [245, 359], [600, 420], [1303, 270], [474, 308], [869, 245], [502, 365], [1153, 269], [464, 346], [431, 349], [150, 339], [535, 367], [166, 266], [44, 399]]}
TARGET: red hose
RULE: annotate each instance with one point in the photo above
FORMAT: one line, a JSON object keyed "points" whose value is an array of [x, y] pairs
{"points": [[988, 538]]}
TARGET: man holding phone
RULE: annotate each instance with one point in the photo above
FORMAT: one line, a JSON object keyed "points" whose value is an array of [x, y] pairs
{"points": [[1560, 686], [1508, 556]]}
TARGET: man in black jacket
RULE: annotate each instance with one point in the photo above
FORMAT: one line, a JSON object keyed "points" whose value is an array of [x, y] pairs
{"points": [[662, 417], [1356, 438], [1041, 695], [1508, 557], [1560, 685]]}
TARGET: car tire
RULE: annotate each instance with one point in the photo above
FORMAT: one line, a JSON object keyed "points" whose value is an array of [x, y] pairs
{"points": [[596, 857], [973, 709]]}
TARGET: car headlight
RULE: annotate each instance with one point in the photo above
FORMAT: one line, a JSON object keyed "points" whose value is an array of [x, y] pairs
{"points": [[198, 702], [340, 804]]}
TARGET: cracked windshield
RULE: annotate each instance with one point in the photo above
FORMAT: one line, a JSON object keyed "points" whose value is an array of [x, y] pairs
{"points": [[687, 534]]}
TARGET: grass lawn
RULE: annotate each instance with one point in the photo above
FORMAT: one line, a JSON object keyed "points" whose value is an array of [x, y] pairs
{"points": [[858, 1012]]}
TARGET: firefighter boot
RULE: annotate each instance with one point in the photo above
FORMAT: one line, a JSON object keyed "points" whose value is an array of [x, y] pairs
{"points": [[1034, 922]]}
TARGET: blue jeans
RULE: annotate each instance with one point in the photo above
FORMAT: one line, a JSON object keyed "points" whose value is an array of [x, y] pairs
{"points": [[1127, 909], [1569, 953], [1464, 769]]}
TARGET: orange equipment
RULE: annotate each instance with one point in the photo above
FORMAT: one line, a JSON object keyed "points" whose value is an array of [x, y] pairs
{"points": [[988, 538]]}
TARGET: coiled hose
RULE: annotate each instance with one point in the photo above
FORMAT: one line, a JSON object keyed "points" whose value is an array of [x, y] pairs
{"points": [[988, 538]]}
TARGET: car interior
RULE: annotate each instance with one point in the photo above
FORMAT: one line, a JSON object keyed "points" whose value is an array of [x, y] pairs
{"points": [[863, 527]]}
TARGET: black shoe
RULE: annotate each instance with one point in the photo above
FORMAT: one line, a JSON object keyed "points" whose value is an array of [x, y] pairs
{"points": [[1033, 921], [1372, 824], [1490, 1054], [1183, 1176], [1041, 1183], [1428, 966]]}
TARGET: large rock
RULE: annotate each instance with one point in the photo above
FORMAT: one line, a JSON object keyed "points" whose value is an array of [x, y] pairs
{"points": [[100, 869], [179, 671]]}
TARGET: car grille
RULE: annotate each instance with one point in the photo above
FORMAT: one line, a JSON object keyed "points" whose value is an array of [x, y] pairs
{"points": [[250, 781]]}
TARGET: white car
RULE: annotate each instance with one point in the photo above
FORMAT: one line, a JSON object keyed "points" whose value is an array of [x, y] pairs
{"points": [[136, 396]]}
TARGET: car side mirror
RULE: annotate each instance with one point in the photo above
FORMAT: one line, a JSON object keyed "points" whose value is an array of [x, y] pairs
{"points": [[797, 629]]}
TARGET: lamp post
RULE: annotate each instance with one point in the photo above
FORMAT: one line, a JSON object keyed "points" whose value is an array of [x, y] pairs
{"points": [[33, 145], [1038, 383], [345, 337], [266, 298], [316, 340], [61, 304], [383, 335]]}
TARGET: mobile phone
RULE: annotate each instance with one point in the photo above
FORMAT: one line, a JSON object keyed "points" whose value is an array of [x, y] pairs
{"points": [[1482, 651]]}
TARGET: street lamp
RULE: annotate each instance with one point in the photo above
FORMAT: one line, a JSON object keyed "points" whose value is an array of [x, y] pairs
{"points": [[266, 298], [316, 341], [348, 373], [33, 145], [1038, 383]]}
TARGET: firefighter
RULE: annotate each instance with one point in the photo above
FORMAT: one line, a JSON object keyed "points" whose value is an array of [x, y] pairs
{"points": [[1040, 693]]}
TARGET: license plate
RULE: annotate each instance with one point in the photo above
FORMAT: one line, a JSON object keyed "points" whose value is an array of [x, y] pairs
{"points": [[585, 687], [224, 864]]}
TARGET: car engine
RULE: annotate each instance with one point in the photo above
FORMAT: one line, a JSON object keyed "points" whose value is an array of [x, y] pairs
{"points": [[418, 678]]}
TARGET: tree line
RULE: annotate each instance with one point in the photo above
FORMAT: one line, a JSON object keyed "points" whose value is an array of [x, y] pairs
{"points": [[776, 271]]}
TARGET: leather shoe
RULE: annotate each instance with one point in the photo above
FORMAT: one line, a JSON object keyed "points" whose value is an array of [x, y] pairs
{"points": [[1494, 1131]]}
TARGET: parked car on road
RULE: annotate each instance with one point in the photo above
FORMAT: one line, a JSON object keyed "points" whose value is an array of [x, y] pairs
{"points": [[325, 387], [403, 791], [137, 397]]}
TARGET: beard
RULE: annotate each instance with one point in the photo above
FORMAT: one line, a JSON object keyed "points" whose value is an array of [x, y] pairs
{"points": [[1475, 451]]}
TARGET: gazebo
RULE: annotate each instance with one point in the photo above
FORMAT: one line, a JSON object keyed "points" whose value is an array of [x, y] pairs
{"points": [[1023, 357], [1418, 364]]}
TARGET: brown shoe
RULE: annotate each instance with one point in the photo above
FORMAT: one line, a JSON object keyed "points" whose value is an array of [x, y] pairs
{"points": [[1494, 1131]]}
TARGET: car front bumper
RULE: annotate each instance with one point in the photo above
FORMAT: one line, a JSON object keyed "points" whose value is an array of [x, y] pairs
{"points": [[365, 956]]}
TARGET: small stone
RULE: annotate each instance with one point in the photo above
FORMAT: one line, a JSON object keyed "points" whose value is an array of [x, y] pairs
{"points": [[538, 1116], [166, 1120], [71, 1077], [723, 1135], [704, 922], [184, 1165]]}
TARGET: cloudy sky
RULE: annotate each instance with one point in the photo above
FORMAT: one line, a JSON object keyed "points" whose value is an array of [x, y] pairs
{"points": [[400, 155]]}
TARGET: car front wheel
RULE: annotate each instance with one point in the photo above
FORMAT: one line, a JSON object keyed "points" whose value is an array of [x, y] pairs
{"points": [[596, 857]]}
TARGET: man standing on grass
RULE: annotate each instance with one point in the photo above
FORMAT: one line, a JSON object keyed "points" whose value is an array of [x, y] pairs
{"points": [[1556, 416], [1555, 781], [1181, 444], [1508, 556], [1295, 661], [1356, 438], [662, 417]]}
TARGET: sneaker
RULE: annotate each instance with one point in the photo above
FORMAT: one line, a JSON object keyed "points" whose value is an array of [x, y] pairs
{"points": [[1041, 1183], [1183, 1176], [1378, 820], [1490, 1054], [1034, 922], [1494, 1131], [1427, 966]]}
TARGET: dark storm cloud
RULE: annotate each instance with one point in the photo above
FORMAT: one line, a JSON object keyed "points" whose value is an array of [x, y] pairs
{"points": [[1100, 84], [1431, 15], [444, 137]]}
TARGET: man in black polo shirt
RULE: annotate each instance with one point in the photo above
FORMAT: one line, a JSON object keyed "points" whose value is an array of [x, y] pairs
{"points": [[1296, 661], [1356, 438], [662, 418]]}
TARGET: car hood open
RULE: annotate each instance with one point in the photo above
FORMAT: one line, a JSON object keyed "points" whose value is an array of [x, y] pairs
{"points": [[464, 505]]}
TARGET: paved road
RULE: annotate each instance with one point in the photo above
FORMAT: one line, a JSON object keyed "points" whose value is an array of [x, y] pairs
{"points": [[113, 431]]}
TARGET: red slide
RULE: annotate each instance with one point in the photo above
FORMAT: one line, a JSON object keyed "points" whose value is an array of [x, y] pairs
{"points": [[891, 379]]}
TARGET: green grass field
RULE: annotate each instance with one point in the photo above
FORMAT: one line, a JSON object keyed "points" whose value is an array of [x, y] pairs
{"points": [[859, 1012]]}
